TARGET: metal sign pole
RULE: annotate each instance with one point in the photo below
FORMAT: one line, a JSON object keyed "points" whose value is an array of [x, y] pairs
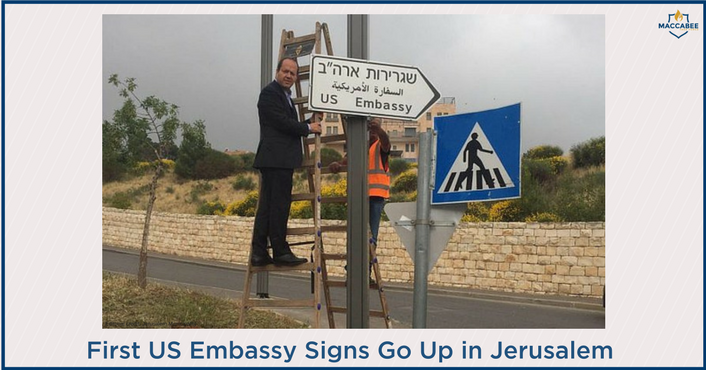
{"points": [[421, 244], [358, 313], [265, 79]]}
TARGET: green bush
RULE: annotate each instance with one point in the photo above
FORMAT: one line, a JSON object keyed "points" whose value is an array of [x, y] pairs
{"points": [[215, 165], [193, 148], [581, 198], [398, 166], [328, 156], [301, 209], [558, 164], [505, 211], [211, 208], [246, 159], [589, 153], [543, 217], [199, 189], [118, 200], [543, 151], [539, 170], [405, 183], [243, 182]]}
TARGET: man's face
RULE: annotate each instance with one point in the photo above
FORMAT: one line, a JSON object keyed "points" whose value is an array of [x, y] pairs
{"points": [[287, 74]]}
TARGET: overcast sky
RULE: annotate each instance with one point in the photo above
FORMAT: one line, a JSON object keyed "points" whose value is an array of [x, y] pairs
{"points": [[210, 66]]}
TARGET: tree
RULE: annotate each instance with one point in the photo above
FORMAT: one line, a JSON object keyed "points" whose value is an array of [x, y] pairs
{"points": [[135, 124], [193, 148]]}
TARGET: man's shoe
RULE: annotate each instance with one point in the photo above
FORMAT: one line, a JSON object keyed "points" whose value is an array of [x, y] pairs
{"points": [[261, 260], [289, 259]]}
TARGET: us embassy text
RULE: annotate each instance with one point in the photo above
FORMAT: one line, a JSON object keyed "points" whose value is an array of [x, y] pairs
{"points": [[315, 350]]}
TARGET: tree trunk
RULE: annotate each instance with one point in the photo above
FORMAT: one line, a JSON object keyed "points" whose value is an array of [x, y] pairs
{"points": [[142, 270]]}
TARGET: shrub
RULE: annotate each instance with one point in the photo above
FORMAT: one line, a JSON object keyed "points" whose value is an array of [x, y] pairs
{"points": [[328, 156], [211, 208], [334, 211], [397, 166], [215, 165], [558, 164], [543, 151], [406, 182], [470, 218], [118, 200], [247, 159], [539, 170], [543, 217], [199, 189], [581, 198], [246, 207], [477, 211], [505, 211], [243, 182], [301, 209], [589, 153]]}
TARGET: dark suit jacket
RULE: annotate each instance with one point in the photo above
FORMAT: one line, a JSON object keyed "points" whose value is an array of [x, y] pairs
{"points": [[280, 132]]}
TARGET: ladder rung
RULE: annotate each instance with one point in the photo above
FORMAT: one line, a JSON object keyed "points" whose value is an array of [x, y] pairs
{"points": [[300, 39], [311, 229], [300, 100], [302, 267], [336, 283], [312, 196], [308, 162], [326, 170], [344, 310], [335, 257], [303, 243], [304, 71], [303, 196], [326, 139], [280, 303]]}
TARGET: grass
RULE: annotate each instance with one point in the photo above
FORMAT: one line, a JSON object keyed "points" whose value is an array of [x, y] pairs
{"points": [[125, 306]]}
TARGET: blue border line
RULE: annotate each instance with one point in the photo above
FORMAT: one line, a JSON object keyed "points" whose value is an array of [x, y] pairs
{"points": [[2, 139]]}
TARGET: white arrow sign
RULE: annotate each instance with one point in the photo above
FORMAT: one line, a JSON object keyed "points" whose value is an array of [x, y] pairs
{"points": [[361, 87]]}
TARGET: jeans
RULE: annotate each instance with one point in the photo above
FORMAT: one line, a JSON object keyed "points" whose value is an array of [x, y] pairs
{"points": [[376, 205]]}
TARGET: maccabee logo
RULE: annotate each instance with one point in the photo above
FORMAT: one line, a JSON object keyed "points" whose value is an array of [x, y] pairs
{"points": [[676, 25]]}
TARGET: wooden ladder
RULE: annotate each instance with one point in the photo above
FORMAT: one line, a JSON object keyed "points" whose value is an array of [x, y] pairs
{"points": [[300, 47]]}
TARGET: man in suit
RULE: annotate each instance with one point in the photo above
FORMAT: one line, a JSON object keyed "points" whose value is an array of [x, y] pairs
{"points": [[278, 154]]}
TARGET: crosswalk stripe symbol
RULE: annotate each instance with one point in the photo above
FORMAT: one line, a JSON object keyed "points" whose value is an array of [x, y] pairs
{"points": [[477, 167]]}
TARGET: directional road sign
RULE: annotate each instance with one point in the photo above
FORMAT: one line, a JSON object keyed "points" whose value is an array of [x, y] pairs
{"points": [[442, 221], [477, 156], [361, 87]]}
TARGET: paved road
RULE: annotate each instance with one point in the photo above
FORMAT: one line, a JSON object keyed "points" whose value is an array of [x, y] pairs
{"points": [[447, 308]]}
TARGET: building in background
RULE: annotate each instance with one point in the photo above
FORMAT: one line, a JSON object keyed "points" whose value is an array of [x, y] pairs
{"points": [[403, 133]]}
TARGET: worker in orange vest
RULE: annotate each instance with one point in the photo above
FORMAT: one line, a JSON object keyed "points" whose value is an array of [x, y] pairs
{"points": [[378, 173]]}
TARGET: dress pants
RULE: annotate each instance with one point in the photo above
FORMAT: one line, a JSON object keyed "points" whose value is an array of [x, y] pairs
{"points": [[273, 212]]}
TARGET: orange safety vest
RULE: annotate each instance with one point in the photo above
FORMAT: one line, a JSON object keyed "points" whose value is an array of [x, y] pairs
{"points": [[378, 178]]}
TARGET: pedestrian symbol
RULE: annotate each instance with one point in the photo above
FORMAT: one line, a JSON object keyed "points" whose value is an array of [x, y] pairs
{"points": [[478, 156], [477, 167]]}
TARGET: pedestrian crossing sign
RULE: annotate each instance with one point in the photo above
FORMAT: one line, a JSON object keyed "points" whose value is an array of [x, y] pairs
{"points": [[477, 156]]}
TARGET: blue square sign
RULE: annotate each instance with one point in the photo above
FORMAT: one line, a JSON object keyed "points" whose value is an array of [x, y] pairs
{"points": [[477, 156]]}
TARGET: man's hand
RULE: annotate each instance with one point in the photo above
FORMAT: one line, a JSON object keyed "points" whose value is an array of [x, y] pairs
{"points": [[315, 127], [335, 167]]}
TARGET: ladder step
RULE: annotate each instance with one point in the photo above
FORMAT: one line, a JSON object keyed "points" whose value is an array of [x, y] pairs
{"points": [[326, 170], [303, 243], [335, 257], [374, 313], [344, 283], [312, 196], [326, 139], [312, 230], [304, 71], [280, 303], [300, 100], [309, 266], [300, 39]]}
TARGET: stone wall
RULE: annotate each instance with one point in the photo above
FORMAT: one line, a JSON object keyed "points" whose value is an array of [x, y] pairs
{"points": [[541, 258]]}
